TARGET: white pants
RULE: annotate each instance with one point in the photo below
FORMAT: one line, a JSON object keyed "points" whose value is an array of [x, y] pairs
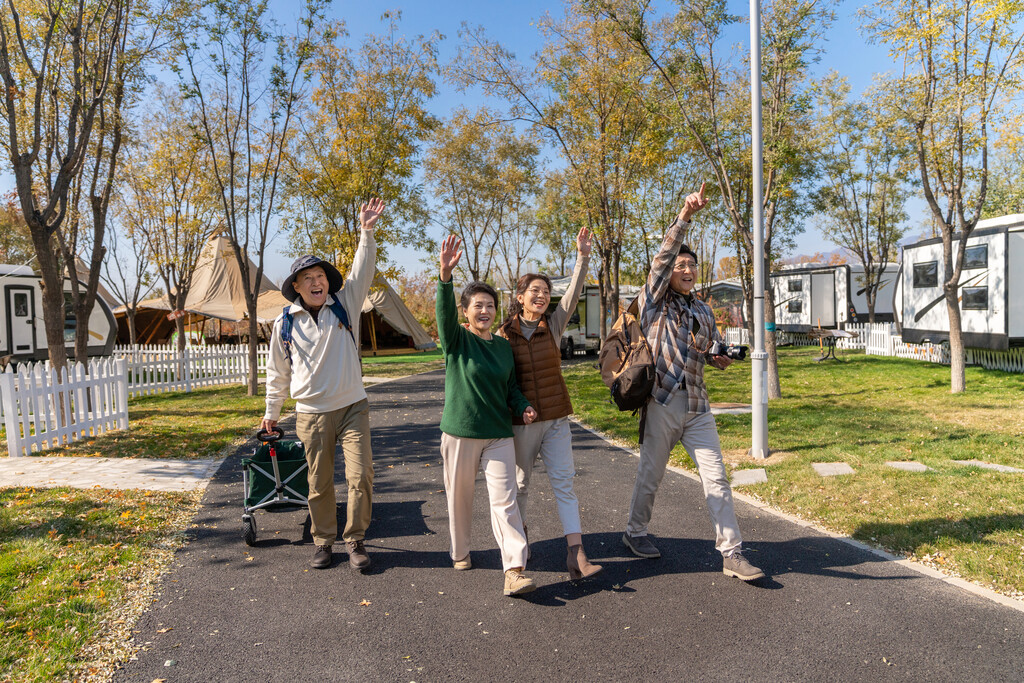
{"points": [[552, 441], [462, 459], [666, 426]]}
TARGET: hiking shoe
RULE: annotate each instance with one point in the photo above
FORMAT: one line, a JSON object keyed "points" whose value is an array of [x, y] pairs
{"points": [[463, 564], [321, 558], [737, 566], [641, 546], [357, 557], [517, 584]]}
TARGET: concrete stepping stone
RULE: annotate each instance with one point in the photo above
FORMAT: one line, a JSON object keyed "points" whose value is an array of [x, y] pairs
{"points": [[908, 465], [989, 466], [730, 408], [832, 469], [748, 477]]}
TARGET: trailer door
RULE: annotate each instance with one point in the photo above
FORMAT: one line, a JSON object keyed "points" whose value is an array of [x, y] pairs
{"points": [[593, 321], [823, 299], [21, 314]]}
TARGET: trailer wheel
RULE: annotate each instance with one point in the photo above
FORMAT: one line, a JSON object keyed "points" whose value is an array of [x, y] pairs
{"points": [[568, 348], [249, 529]]}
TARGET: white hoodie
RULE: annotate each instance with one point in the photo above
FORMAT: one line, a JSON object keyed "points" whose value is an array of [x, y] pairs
{"points": [[324, 373]]}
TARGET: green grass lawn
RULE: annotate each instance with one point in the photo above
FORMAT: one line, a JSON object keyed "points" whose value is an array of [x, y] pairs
{"points": [[400, 366], [74, 566], [866, 410]]}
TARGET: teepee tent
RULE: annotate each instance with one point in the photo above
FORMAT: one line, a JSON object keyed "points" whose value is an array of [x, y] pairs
{"points": [[388, 323], [217, 290]]}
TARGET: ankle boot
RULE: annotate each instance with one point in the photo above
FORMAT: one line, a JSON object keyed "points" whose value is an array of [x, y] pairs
{"points": [[578, 564]]}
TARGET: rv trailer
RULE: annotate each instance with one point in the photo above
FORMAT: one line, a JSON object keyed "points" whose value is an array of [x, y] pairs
{"points": [[815, 295], [991, 288], [21, 307]]}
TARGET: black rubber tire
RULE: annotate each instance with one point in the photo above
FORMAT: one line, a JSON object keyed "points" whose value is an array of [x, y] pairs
{"points": [[249, 530], [568, 349]]}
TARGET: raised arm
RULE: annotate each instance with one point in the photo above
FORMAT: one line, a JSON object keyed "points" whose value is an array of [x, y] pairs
{"points": [[661, 268], [364, 264], [560, 316], [444, 307]]}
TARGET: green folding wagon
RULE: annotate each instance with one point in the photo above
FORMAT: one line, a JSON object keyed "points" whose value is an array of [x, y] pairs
{"points": [[273, 477]]}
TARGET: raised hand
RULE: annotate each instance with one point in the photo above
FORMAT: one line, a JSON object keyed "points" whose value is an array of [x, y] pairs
{"points": [[529, 415], [583, 242], [369, 213], [694, 202], [449, 256]]}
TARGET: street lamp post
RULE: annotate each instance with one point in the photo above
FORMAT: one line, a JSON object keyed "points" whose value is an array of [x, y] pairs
{"points": [[759, 359]]}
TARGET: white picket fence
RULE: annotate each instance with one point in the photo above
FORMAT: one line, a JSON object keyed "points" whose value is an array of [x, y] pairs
{"points": [[156, 369], [45, 409], [882, 339]]}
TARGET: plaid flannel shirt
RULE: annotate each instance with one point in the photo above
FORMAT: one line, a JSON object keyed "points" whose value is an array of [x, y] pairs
{"points": [[667, 320]]}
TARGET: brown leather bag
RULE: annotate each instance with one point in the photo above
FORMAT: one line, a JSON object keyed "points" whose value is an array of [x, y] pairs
{"points": [[627, 363]]}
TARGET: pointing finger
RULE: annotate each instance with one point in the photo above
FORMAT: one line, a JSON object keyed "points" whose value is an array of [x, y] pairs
{"points": [[702, 191]]}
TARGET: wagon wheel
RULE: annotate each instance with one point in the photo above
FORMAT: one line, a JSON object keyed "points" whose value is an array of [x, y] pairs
{"points": [[249, 529]]}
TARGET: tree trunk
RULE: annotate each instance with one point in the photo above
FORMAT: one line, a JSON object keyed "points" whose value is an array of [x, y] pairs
{"points": [[132, 332], [254, 380], [957, 356], [53, 298]]}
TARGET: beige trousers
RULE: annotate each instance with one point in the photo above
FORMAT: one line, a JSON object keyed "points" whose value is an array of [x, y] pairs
{"points": [[462, 458], [320, 433], [666, 426], [552, 441]]}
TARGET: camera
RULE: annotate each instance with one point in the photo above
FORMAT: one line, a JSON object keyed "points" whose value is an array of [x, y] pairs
{"points": [[728, 350]]}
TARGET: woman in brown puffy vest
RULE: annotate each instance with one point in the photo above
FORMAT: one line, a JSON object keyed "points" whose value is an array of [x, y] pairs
{"points": [[534, 335]]}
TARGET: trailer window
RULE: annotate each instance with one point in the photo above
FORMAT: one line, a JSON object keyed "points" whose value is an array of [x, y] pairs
{"points": [[796, 285], [976, 257], [796, 306], [926, 274], [975, 299], [21, 305]]}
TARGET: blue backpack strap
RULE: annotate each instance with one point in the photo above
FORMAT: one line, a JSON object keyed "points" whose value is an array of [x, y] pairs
{"points": [[340, 314], [286, 331]]}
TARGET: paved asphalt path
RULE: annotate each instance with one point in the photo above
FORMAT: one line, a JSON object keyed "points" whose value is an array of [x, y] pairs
{"points": [[227, 612]]}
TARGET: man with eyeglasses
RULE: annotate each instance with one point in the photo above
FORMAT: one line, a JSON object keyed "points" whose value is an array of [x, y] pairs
{"points": [[681, 330]]}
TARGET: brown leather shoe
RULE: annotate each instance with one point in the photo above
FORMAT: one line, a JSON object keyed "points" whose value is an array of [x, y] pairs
{"points": [[357, 557], [321, 558]]}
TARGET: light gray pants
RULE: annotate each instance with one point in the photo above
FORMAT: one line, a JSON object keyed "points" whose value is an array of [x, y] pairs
{"points": [[462, 458], [552, 441], [666, 426]]}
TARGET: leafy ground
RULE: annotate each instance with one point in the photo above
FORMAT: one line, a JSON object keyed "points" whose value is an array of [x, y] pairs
{"points": [[866, 410], [75, 567]]}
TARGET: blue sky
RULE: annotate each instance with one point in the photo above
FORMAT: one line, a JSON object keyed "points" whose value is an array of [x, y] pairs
{"points": [[514, 24]]}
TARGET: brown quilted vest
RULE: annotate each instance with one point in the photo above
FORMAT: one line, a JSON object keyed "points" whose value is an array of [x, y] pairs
{"points": [[539, 370]]}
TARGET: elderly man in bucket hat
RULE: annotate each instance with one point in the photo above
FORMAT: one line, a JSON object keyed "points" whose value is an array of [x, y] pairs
{"points": [[314, 355]]}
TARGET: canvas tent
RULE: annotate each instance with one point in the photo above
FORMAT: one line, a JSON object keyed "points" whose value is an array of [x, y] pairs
{"points": [[388, 324], [216, 293]]}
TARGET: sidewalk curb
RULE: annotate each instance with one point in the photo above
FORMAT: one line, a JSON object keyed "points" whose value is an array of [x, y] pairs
{"points": [[922, 569]]}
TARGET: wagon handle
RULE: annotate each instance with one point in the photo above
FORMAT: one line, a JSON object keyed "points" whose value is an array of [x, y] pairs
{"points": [[270, 436]]}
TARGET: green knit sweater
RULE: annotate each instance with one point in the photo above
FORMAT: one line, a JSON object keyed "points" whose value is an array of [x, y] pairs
{"points": [[479, 378]]}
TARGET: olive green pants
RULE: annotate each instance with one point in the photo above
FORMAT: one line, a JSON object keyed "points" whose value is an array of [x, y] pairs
{"points": [[320, 433]]}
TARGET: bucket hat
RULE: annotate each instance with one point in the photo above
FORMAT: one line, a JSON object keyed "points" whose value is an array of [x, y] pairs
{"points": [[334, 279]]}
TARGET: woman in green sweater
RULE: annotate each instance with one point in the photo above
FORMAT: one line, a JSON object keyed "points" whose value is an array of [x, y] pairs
{"points": [[480, 390]]}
